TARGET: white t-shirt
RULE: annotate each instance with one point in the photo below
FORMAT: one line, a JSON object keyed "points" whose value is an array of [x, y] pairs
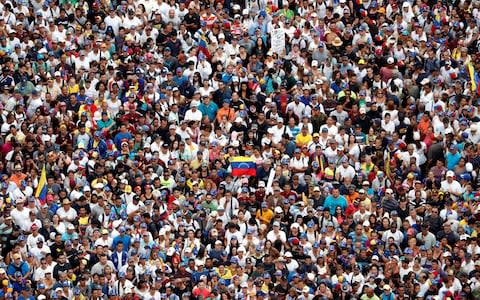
{"points": [[454, 186], [332, 130], [348, 172], [397, 236], [388, 127], [20, 217], [69, 215], [300, 163], [191, 115]]}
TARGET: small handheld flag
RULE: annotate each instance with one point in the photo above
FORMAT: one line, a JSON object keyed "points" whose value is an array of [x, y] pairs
{"points": [[242, 165], [41, 193]]}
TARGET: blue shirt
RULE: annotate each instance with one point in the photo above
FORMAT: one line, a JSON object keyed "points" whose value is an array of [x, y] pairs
{"points": [[66, 236], [179, 80], [362, 239], [295, 130], [196, 275], [23, 268], [331, 203], [125, 239], [119, 137], [210, 110], [227, 78], [452, 160]]}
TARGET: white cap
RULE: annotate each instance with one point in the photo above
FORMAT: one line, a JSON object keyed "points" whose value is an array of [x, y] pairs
{"points": [[416, 136], [425, 81], [199, 262], [295, 225], [390, 60], [450, 174], [469, 167]]}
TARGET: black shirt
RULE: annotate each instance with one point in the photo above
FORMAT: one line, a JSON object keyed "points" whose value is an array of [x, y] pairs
{"points": [[57, 250], [192, 22]]}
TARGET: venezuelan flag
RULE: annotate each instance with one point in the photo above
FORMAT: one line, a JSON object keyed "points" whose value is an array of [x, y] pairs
{"points": [[242, 165], [41, 193], [474, 80], [202, 48]]}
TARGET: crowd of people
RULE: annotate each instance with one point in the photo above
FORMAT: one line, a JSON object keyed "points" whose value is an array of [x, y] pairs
{"points": [[119, 122]]}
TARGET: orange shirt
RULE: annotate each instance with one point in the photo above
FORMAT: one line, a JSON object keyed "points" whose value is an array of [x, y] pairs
{"points": [[423, 126], [352, 197], [17, 178], [225, 112]]}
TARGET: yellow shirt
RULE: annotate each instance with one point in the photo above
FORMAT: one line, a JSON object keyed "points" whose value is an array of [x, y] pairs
{"points": [[195, 164], [265, 216], [367, 203], [73, 89], [303, 140], [227, 275], [201, 184], [83, 220]]}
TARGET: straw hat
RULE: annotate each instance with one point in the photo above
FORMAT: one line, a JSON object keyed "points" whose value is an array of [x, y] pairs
{"points": [[337, 42]]}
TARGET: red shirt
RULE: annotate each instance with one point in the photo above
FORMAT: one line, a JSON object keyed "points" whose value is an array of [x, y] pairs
{"points": [[204, 293]]}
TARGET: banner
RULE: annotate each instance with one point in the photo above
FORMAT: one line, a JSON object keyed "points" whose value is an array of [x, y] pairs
{"points": [[278, 41]]}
